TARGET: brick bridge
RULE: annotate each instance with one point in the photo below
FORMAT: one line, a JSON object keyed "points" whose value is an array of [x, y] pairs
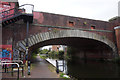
{"points": [[93, 37]]}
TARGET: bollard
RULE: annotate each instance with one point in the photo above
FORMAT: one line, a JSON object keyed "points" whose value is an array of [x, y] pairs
{"points": [[5, 67], [28, 67], [63, 65], [12, 70], [57, 67], [22, 71], [18, 73]]}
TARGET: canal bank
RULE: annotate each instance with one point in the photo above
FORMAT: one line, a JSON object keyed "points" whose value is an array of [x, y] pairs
{"points": [[62, 68]]}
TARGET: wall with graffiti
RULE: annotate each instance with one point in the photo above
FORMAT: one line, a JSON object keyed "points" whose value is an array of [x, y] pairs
{"points": [[5, 52]]}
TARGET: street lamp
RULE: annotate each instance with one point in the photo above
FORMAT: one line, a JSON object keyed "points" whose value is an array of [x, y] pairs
{"points": [[28, 18]]}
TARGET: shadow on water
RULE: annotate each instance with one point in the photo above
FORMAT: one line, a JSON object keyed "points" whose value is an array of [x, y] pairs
{"points": [[86, 68], [92, 69]]}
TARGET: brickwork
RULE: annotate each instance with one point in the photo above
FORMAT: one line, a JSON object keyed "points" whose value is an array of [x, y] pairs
{"points": [[17, 31], [62, 20]]}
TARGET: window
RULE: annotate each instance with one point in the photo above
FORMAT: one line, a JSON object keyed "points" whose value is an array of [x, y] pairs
{"points": [[49, 29], [71, 23], [92, 27]]}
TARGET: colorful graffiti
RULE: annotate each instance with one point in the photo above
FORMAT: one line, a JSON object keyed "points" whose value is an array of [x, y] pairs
{"points": [[5, 52]]}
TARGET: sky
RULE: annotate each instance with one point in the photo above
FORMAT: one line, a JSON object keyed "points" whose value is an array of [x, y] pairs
{"points": [[92, 9], [47, 47]]}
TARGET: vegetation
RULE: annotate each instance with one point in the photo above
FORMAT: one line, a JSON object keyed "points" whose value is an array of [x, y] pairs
{"points": [[62, 76], [33, 55], [56, 55], [53, 53], [44, 51], [43, 57], [114, 18]]}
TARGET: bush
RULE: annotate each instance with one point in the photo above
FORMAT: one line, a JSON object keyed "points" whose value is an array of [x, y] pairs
{"points": [[33, 55], [44, 51], [61, 53], [53, 53]]}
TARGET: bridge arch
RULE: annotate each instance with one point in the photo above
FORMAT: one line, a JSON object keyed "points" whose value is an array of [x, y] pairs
{"points": [[41, 37]]}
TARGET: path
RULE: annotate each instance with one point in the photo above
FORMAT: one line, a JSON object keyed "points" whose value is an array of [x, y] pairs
{"points": [[39, 70]]}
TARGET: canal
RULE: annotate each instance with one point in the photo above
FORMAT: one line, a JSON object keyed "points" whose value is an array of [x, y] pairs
{"points": [[79, 68]]}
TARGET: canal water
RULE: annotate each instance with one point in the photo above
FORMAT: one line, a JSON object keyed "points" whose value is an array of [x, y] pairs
{"points": [[90, 69]]}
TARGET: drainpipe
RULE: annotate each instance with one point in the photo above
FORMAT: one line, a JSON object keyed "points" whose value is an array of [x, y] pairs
{"points": [[117, 34]]}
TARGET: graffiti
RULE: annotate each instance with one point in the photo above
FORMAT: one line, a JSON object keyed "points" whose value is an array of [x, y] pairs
{"points": [[5, 52]]}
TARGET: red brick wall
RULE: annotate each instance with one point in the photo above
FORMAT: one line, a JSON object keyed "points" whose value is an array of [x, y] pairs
{"points": [[56, 20], [54, 48], [77, 22]]}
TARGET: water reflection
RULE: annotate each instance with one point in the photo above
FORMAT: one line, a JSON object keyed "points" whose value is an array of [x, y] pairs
{"points": [[93, 69], [88, 69]]}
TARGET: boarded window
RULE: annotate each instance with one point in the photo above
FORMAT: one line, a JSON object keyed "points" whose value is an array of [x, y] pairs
{"points": [[92, 27], [71, 23]]}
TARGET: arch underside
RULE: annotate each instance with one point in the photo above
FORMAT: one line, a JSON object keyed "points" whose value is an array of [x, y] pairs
{"points": [[76, 38]]}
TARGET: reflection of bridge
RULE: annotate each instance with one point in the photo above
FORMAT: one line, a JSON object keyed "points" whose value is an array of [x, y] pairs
{"points": [[92, 36]]}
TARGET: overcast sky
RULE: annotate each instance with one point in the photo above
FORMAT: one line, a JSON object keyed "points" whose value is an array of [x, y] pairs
{"points": [[92, 9]]}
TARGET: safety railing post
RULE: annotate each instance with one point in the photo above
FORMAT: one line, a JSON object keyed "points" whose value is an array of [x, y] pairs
{"points": [[5, 68], [12, 70], [18, 74], [22, 71], [57, 67], [63, 65]]}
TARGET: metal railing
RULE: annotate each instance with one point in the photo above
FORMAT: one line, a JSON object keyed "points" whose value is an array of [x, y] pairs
{"points": [[10, 64], [15, 11], [12, 61]]}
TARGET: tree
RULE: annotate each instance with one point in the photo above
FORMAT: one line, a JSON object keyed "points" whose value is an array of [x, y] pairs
{"points": [[44, 51]]}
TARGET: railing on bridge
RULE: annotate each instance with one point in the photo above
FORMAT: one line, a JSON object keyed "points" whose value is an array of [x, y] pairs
{"points": [[26, 8], [14, 14]]}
